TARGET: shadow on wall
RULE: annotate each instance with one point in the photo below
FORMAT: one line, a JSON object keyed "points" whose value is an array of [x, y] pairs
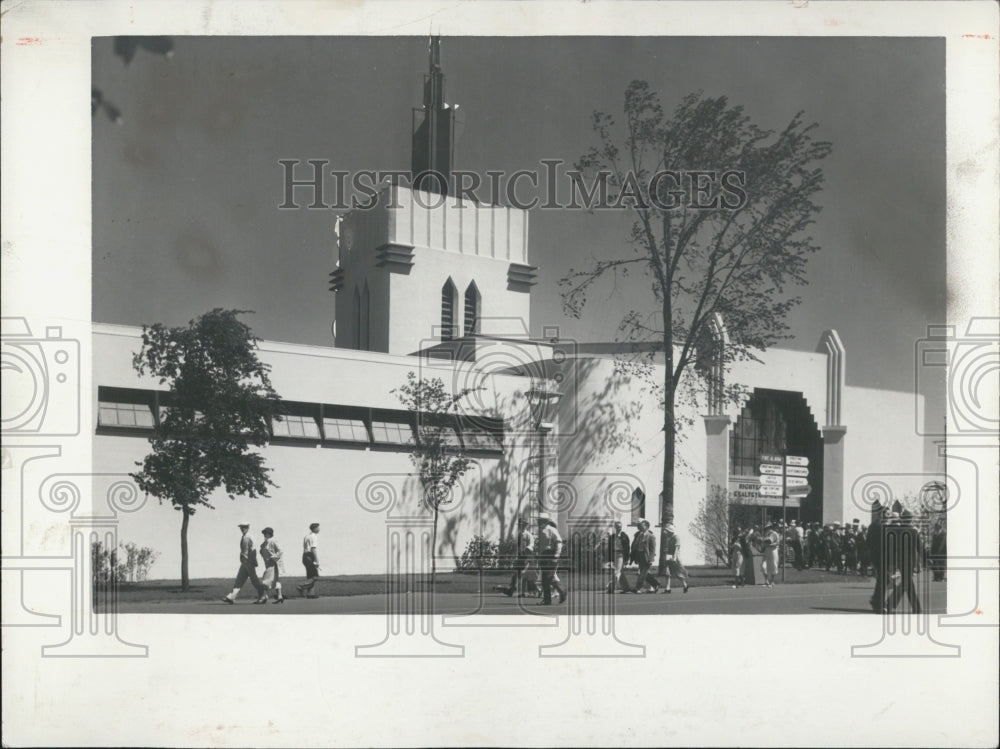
{"points": [[605, 416]]}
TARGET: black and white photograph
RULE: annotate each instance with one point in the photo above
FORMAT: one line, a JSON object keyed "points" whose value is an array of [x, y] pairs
{"points": [[406, 374]]}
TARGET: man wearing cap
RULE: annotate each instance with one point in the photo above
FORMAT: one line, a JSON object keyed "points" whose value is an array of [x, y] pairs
{"points": [[248, 566], [874, 543], [549, 548], [310, 560], [643, 553], [904, 550], [671, 545], [618, 550]]}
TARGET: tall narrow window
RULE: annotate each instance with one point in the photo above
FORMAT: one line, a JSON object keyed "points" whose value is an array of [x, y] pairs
{"points": [[356, 323], [449, 299], [366, 320], [472, 302]]}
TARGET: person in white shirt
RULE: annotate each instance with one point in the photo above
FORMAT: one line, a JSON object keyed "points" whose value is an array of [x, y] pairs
{"points": [[549, 548], [248, 566], [273, 567], [310, 559], [525, 554]]}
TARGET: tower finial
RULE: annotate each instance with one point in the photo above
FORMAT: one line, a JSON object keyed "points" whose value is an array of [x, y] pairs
{"points": [[433, 138]]}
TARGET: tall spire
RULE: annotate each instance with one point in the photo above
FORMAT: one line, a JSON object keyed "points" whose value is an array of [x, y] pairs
{"points": [[433, 138]]}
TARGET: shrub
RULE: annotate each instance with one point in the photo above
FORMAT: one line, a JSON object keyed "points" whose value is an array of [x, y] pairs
{"points": [[480, 554]]}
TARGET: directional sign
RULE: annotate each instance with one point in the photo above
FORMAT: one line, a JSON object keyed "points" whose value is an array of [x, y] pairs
{"points": [[770, 491], [796, 481], [796, 471], [800, 490], [770, 468], [770, 480], [772, 501], [771, 459], [797, 460]]}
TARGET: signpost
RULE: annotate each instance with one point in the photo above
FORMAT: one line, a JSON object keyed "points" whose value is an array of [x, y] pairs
{"points": [[784, 474]]}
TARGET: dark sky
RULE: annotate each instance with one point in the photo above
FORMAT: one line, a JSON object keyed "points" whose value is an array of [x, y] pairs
{"points": [[186, 188]]}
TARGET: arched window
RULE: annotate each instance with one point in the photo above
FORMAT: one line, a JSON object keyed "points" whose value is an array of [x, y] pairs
{"points": [[472, 307], [356, 322], [449, 300], [365, 319]]}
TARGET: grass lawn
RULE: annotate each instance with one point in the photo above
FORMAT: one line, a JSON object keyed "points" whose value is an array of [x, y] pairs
{"points": [[211, 589]]}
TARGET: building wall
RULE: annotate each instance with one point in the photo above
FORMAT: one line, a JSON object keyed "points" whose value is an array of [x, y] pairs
{"points": [[318, 483], [882, 443]]}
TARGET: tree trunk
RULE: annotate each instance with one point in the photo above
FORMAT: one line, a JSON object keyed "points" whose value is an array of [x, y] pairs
{"points": [[185, 582], [669, 444]]}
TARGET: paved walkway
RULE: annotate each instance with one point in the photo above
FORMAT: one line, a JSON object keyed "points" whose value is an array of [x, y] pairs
{"points": [[847, 597]]}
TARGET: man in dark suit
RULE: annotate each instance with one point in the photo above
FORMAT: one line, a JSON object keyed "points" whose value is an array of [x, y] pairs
{"points": [[643, 554], [906, 549], [618, 551], [877, 555]]}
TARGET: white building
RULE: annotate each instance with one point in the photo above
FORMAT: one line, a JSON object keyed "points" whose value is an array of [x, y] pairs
{"points": [[442, 288]]}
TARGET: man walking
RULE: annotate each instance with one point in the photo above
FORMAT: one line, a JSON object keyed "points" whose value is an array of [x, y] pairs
{"points": [[876, 552], [525, 553], [671, 545], [549, 548], [310, 560], [248, 566], [906, 551], [618, 550], [643, 553]]}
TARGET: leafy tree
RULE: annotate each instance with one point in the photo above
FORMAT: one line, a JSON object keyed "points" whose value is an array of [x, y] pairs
{"points": [[729, 243], [220, 406], [439, 461]]}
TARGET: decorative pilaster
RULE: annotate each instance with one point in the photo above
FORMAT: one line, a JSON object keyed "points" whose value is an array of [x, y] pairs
{"points": [[834, 431]]}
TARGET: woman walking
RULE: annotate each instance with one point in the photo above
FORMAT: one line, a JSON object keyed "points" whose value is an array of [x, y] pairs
{"points": [[273, 567], [770, 562], [736, 552], [746, 544]]}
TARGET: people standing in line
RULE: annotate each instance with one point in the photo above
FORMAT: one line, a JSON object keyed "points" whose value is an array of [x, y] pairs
{"points": [[618, 549], [746, 543], [771, 541], [938, 559], [525, 554], [310, 560], [549, 548], [643, 553], [273, 567], [797, 536], [671, 547], [736, 553], [248, 566], [815, 546], [907, 550]]}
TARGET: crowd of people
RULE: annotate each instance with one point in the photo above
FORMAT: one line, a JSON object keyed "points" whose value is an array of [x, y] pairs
{"points": [[619, 551], [891, 550]]}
